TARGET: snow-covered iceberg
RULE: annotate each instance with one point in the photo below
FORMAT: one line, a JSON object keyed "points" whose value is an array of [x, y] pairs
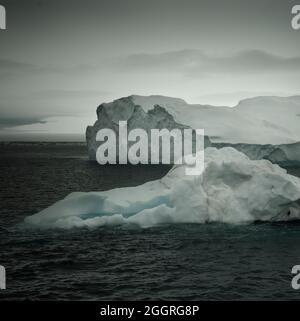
{"points": [[232, 189], [261, 127], [284, 155], [125, 109], [259, 120]]}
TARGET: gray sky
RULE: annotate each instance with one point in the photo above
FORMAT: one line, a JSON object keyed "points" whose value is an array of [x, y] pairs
{"points": [[59, 59]]}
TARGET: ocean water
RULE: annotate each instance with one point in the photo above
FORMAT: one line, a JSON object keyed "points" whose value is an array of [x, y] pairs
{"points": [[169, 262]]}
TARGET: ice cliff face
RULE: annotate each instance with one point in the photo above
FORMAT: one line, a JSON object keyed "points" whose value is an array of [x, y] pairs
{"points": [[110, 114], [232, 189]]}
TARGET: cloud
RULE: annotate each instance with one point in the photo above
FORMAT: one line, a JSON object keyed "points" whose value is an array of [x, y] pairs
{"points": [[55, 94], [19, 121], [188, 61], [15, 66], [196, 62], [36, 107], [35, 92]]}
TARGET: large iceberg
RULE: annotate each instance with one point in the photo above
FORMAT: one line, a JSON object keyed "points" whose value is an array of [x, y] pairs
{"points": [[259, 120], [261, 127], [125, 109], [232, 189]]}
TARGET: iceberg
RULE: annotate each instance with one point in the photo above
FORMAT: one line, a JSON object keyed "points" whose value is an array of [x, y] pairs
{"points": [[232, 189], [260, 127], [126, 110], [286, 155]]}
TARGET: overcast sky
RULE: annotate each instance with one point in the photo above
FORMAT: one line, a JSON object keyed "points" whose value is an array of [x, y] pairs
{"points": [[59, 59]]}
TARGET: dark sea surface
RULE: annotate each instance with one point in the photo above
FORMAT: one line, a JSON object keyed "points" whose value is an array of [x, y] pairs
{"points": [[170, 262]]}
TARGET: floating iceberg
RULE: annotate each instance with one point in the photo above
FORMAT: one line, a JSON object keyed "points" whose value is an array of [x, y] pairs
{"points": [[260, 120], [232, 189], [284, 155], [261, 127]]}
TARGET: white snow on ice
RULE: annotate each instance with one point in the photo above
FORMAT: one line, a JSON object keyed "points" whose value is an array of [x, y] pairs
{"points": [[232, 189], [260, 120]]}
